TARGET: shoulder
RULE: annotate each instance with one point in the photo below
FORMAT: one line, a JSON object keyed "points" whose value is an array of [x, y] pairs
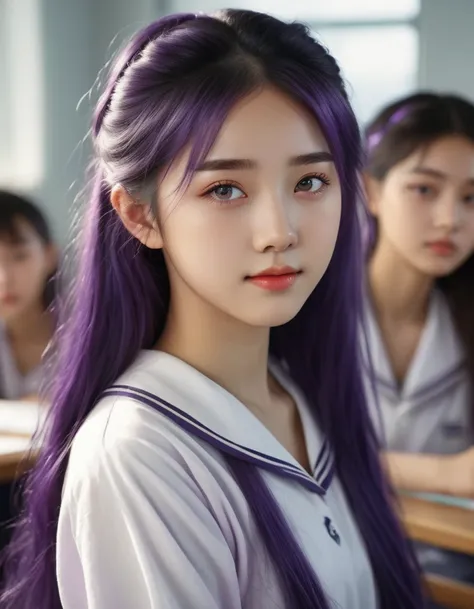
{"points": [[127, 440], [139, 496]]}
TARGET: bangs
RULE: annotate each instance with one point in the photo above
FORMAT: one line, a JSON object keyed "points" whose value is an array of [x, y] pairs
{"points": [[11, 231], [19, 218]]}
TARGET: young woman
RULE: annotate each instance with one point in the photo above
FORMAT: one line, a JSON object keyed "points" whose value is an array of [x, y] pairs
{"points": [[27, 263], [209, 444], [420, 274]]}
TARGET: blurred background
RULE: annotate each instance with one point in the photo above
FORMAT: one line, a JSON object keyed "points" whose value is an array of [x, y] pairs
{"points": [[51, 52]]}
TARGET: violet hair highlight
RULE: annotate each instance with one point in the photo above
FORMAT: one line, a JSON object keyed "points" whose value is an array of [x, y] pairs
{"points": [[376, 137], [173, 87]]}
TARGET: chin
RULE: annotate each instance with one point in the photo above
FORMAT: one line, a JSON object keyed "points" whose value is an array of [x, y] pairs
{"points": [[8, 314], [277, 316], [437, 271]]}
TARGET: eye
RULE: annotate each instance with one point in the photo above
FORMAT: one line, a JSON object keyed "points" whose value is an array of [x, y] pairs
{"points": [[225, 192], [20, 255], [423, 190], [312, 184], [469, 199]]}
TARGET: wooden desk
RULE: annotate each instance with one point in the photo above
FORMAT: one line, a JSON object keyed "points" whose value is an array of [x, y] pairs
{"points": [[440, 525], [16, 460], [450, 593], [448, 527], [18, 422]]}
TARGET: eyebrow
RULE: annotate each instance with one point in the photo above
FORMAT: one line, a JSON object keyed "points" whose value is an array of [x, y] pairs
{"points": [[235, 164], [435, 173]]}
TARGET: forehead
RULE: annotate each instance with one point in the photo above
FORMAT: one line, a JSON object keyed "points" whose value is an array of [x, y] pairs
{"points": [[268, 126], [452, 155]]}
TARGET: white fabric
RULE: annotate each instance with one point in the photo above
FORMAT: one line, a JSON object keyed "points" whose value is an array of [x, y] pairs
{"points": [[432, 411], [152, 518], [13, 384]]}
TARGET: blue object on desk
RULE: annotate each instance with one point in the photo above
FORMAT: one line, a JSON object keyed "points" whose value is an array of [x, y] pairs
{"points": [[461, 502]]}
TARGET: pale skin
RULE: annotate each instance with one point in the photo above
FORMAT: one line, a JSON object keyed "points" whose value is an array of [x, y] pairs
{"points": [[24, 269], [427, 197], [280, 204]]}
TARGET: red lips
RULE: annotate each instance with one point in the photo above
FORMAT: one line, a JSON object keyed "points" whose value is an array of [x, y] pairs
{"points": [[275, 278], [443, 247]]}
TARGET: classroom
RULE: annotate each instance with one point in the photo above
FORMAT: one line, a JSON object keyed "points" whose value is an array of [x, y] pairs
{"points": [[236, 362]]}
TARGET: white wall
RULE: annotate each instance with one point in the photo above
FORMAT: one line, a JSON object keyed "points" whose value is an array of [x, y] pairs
{"points": [[67, 60], [447, 46], [75, 36]]}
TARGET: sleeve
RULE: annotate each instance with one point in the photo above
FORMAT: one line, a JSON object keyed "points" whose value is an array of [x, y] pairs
{"points": [[135, 531]]}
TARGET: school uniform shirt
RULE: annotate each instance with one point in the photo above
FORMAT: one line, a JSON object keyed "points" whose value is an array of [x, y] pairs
{"points": [[13, 384], [151, 516], [430, 413]]}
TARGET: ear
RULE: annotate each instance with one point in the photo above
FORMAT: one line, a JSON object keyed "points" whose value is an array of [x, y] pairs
{"points": [[372, 191], [137, 217]]}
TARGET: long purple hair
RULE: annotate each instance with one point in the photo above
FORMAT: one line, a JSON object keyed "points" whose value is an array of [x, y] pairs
{"points": [[172, 87]]}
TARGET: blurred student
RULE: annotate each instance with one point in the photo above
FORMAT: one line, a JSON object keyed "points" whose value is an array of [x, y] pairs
{"points": [[27, 263], [420, 294]]}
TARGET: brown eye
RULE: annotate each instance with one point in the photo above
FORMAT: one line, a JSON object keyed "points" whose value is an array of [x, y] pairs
{"points": [[226, 192], [311, 184], [423, 190]]}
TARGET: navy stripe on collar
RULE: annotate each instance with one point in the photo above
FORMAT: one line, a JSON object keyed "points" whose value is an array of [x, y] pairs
{"points": [[195, 427], [324, 465], [428, 391]]}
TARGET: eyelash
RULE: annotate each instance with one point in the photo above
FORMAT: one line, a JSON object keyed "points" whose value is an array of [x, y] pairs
{"points": [[432, 192], [214, 187], [417, 188], [322, 177]]}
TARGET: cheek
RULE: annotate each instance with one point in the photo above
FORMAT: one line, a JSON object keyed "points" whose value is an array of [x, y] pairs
{"points": [[470, 223], [33, 273], [319, 226], [203, 245], [470, 231], [402, 218]]}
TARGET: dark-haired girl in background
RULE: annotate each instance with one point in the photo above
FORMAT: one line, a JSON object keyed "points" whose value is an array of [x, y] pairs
{"points": [[420, 185], [27, 262]]}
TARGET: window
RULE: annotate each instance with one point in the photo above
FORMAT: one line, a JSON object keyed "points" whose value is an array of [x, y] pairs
{"points": [[380, 64], [21, 101], [340, 10], [374, 42]]}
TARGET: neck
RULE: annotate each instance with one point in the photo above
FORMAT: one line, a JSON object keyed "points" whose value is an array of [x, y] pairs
{"points": [[32, 326], [231, 353], [399, 292]]}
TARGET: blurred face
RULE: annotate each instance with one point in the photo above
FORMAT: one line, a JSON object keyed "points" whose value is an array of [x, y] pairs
{"points": [[256, 228], [25, 264], [425, 207]]}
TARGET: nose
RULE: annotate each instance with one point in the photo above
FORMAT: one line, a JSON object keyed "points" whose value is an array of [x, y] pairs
{"points": [[448, 214], [274, 226]]}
